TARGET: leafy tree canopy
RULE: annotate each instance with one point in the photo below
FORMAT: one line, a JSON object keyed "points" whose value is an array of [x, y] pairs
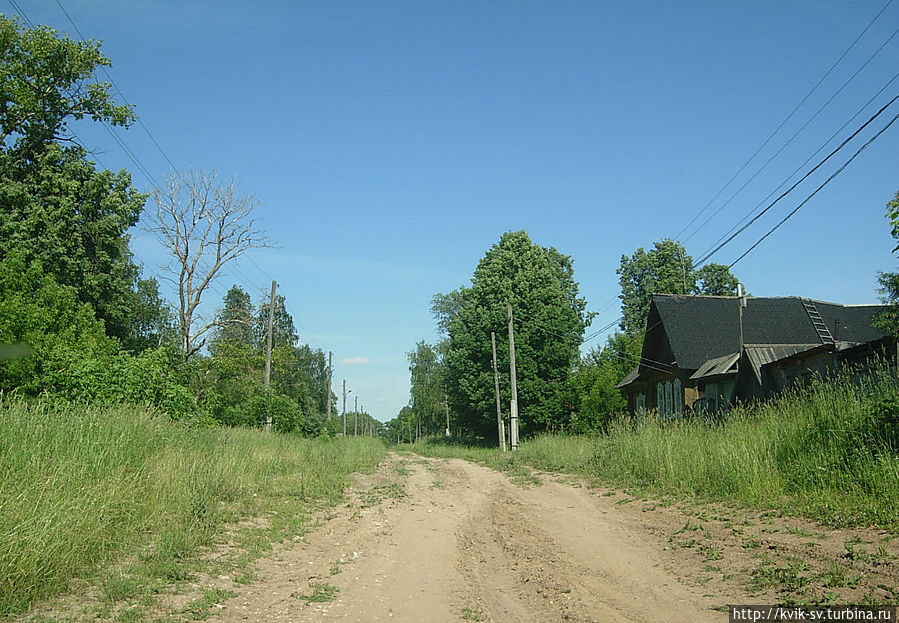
{"points": [[235, 322], [46, 80], [550, 320], [57, 208], [427, 387], [665, 269], [73, 219], [284, 333]]}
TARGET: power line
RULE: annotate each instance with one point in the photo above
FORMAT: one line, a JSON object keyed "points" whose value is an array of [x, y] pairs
{"points": [[21, 13], [827, 181], [807, 160], [815, 192], [782, 123], [650, 363], [719, 244], [803, 178], [119, 91], [795, 134]]}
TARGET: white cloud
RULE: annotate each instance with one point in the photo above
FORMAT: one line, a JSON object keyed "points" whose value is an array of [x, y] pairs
{"points": [[355, 361]]}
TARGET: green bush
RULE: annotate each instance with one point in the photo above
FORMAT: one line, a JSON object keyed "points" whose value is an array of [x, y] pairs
{"points": [[62, 343]]}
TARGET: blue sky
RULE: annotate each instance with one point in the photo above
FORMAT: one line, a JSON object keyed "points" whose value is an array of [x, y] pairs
{"points": [[392, 143]]}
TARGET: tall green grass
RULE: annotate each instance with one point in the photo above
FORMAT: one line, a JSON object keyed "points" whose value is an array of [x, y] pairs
{"points": [[83, 486], [829, 452]]}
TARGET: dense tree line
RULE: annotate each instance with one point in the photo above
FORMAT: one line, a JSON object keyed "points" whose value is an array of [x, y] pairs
{"points": [[78, 321], [559, 387]]}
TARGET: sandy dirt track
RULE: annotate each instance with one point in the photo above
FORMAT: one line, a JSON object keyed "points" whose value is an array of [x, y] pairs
{"points": [[448, 540]]}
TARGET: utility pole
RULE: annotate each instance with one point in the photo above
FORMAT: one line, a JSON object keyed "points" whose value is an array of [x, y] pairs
{"points": [[741, 304], [513, 418], [344, 406], [328, 392], [268, 353], [355, 416], [446, 404], [500, 425]]}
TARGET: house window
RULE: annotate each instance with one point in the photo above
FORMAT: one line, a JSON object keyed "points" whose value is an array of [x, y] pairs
{"points": [[669, 400], [711, 393], [660, 398], [678, 398], [640, 404]]}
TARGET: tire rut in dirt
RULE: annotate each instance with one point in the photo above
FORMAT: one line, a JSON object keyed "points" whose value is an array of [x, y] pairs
{"points": [[514, 570]]}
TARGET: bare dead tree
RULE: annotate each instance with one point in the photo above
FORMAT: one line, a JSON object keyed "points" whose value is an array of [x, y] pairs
{"points": [[205, 224]]}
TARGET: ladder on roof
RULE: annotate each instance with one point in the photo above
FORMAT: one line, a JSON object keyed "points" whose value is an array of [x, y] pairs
{"points": [[818, 323]]}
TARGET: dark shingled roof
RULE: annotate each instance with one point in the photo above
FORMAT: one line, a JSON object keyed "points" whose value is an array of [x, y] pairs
{"points": [[700, 328], [850, 323]]}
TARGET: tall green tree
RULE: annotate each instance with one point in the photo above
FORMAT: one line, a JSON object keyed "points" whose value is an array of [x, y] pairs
{"points": [[60, 211], [445, 307], [428, 392], [56, 207], [46, 81], [667, 268], [236, 320], [539, 284], [716, 280], [284, 332]]}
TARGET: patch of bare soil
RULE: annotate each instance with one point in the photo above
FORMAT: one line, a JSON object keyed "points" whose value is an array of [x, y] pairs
{"points": [[448, 540]]}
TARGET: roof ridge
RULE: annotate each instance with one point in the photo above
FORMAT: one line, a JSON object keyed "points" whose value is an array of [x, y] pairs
{"points": [[768, 298]]}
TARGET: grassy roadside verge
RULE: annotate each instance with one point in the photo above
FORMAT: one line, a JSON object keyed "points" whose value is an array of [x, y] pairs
{"points": [[83, 488], [829, 452]]}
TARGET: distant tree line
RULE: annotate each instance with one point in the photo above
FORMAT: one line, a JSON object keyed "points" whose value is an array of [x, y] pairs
{"points": [[78, 320]]}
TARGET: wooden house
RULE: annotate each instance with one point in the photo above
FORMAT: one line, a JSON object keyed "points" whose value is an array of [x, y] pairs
{"points": [[702, 353]]}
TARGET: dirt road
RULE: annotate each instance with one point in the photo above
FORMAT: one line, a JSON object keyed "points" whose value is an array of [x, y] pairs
{"points": [[448, 540]]}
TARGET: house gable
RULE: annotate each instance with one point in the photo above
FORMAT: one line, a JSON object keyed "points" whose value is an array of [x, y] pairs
{"points": [[695, 342]]}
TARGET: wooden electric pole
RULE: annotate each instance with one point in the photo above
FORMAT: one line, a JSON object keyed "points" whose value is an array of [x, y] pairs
{"points": [[268, 352], [446, 404], [740, 305], [355, 416], [513, 417], [500, 425], [344, 407], [328, 391]]}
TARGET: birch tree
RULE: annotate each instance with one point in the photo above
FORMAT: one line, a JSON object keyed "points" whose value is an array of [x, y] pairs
{"points": [[205, 224]]}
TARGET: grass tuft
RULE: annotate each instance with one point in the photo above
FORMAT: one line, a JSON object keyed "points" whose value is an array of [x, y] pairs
{"points": [[82, 487]]}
